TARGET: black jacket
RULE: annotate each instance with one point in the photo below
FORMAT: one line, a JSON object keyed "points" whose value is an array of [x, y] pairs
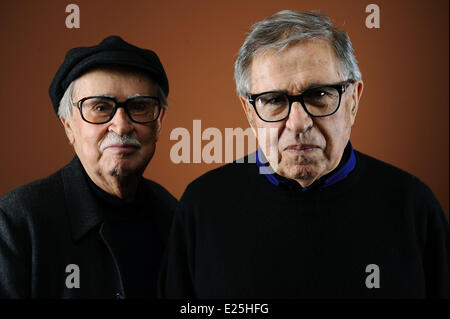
{"points": [[55, 222]]}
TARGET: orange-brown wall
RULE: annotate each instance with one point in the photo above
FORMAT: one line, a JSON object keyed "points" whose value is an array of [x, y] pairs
{"points": [[403, 117]]}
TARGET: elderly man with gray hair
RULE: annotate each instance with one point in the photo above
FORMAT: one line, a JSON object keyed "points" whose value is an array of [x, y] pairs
{"points": [[96, 228], [306, 216]]}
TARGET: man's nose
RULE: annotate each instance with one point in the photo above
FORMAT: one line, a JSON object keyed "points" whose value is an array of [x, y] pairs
{"points": [[298, 121], [121, 123]]}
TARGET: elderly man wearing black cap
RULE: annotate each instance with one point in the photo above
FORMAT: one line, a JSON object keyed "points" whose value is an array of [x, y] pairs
{"points": [[96, 228]]}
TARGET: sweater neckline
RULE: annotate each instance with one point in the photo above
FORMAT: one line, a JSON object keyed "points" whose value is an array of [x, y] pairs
{"points": [[328, 193], [346, 165]]}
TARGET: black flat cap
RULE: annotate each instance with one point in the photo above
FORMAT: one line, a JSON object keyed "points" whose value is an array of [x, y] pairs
{"points": [[111, 51]]}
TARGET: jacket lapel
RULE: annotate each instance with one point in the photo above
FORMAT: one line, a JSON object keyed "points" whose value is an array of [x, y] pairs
{"points": [[83, 210]]}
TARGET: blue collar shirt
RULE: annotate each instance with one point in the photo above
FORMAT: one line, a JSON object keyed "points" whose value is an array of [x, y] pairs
{"points": [[332, 178]]}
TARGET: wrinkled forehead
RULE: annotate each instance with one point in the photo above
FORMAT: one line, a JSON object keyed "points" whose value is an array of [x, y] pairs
{"points": [[117, 81], [299, 64]]}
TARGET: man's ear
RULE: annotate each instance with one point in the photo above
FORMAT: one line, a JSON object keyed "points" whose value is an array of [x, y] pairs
{"points": [[160, 120], [248, 113], [247, 110], [163, 113], [68, 129], [358, 87]]}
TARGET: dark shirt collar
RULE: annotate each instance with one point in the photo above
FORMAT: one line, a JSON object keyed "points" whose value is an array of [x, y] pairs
{"points": [[82, 203], [335, 176], [82, 208], [111, 200], [115, 208]]}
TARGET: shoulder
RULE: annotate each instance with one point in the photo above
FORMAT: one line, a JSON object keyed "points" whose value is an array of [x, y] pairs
{"points": [[34, 195], [225, 179], [387, 176], [162, 194], [391, 181]]}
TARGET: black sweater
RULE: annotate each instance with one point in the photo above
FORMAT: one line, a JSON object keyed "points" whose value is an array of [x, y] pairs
{"points": [[236, 235]]}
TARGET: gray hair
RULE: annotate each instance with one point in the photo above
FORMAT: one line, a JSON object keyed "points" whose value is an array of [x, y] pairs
{"points": [[279, 30], [66, 103]]}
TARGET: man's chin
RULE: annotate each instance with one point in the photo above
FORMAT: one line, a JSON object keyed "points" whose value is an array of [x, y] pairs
{"points": [[119, 172], [299, 172], [123, 168], [303, 170]]}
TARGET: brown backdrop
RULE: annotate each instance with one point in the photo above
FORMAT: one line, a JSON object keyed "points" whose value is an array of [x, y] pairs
{"points": [[403, 117]]}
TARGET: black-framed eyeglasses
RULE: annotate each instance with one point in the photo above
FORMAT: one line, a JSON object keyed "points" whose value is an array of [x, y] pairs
{"points": [[317, 101], [140, 109]]}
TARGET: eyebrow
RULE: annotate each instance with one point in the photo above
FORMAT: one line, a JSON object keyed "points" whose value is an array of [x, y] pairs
{"points": [[115, 98], [316, 85], [105, 95], [136, 95], [313, 85], [310, 86]]}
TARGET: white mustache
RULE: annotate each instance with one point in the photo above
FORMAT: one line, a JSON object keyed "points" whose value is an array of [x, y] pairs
{"points": [[113, 138]]}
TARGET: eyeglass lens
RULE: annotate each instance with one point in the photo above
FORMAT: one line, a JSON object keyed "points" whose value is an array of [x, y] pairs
{"points": [[100, 109], [318, 101]]}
